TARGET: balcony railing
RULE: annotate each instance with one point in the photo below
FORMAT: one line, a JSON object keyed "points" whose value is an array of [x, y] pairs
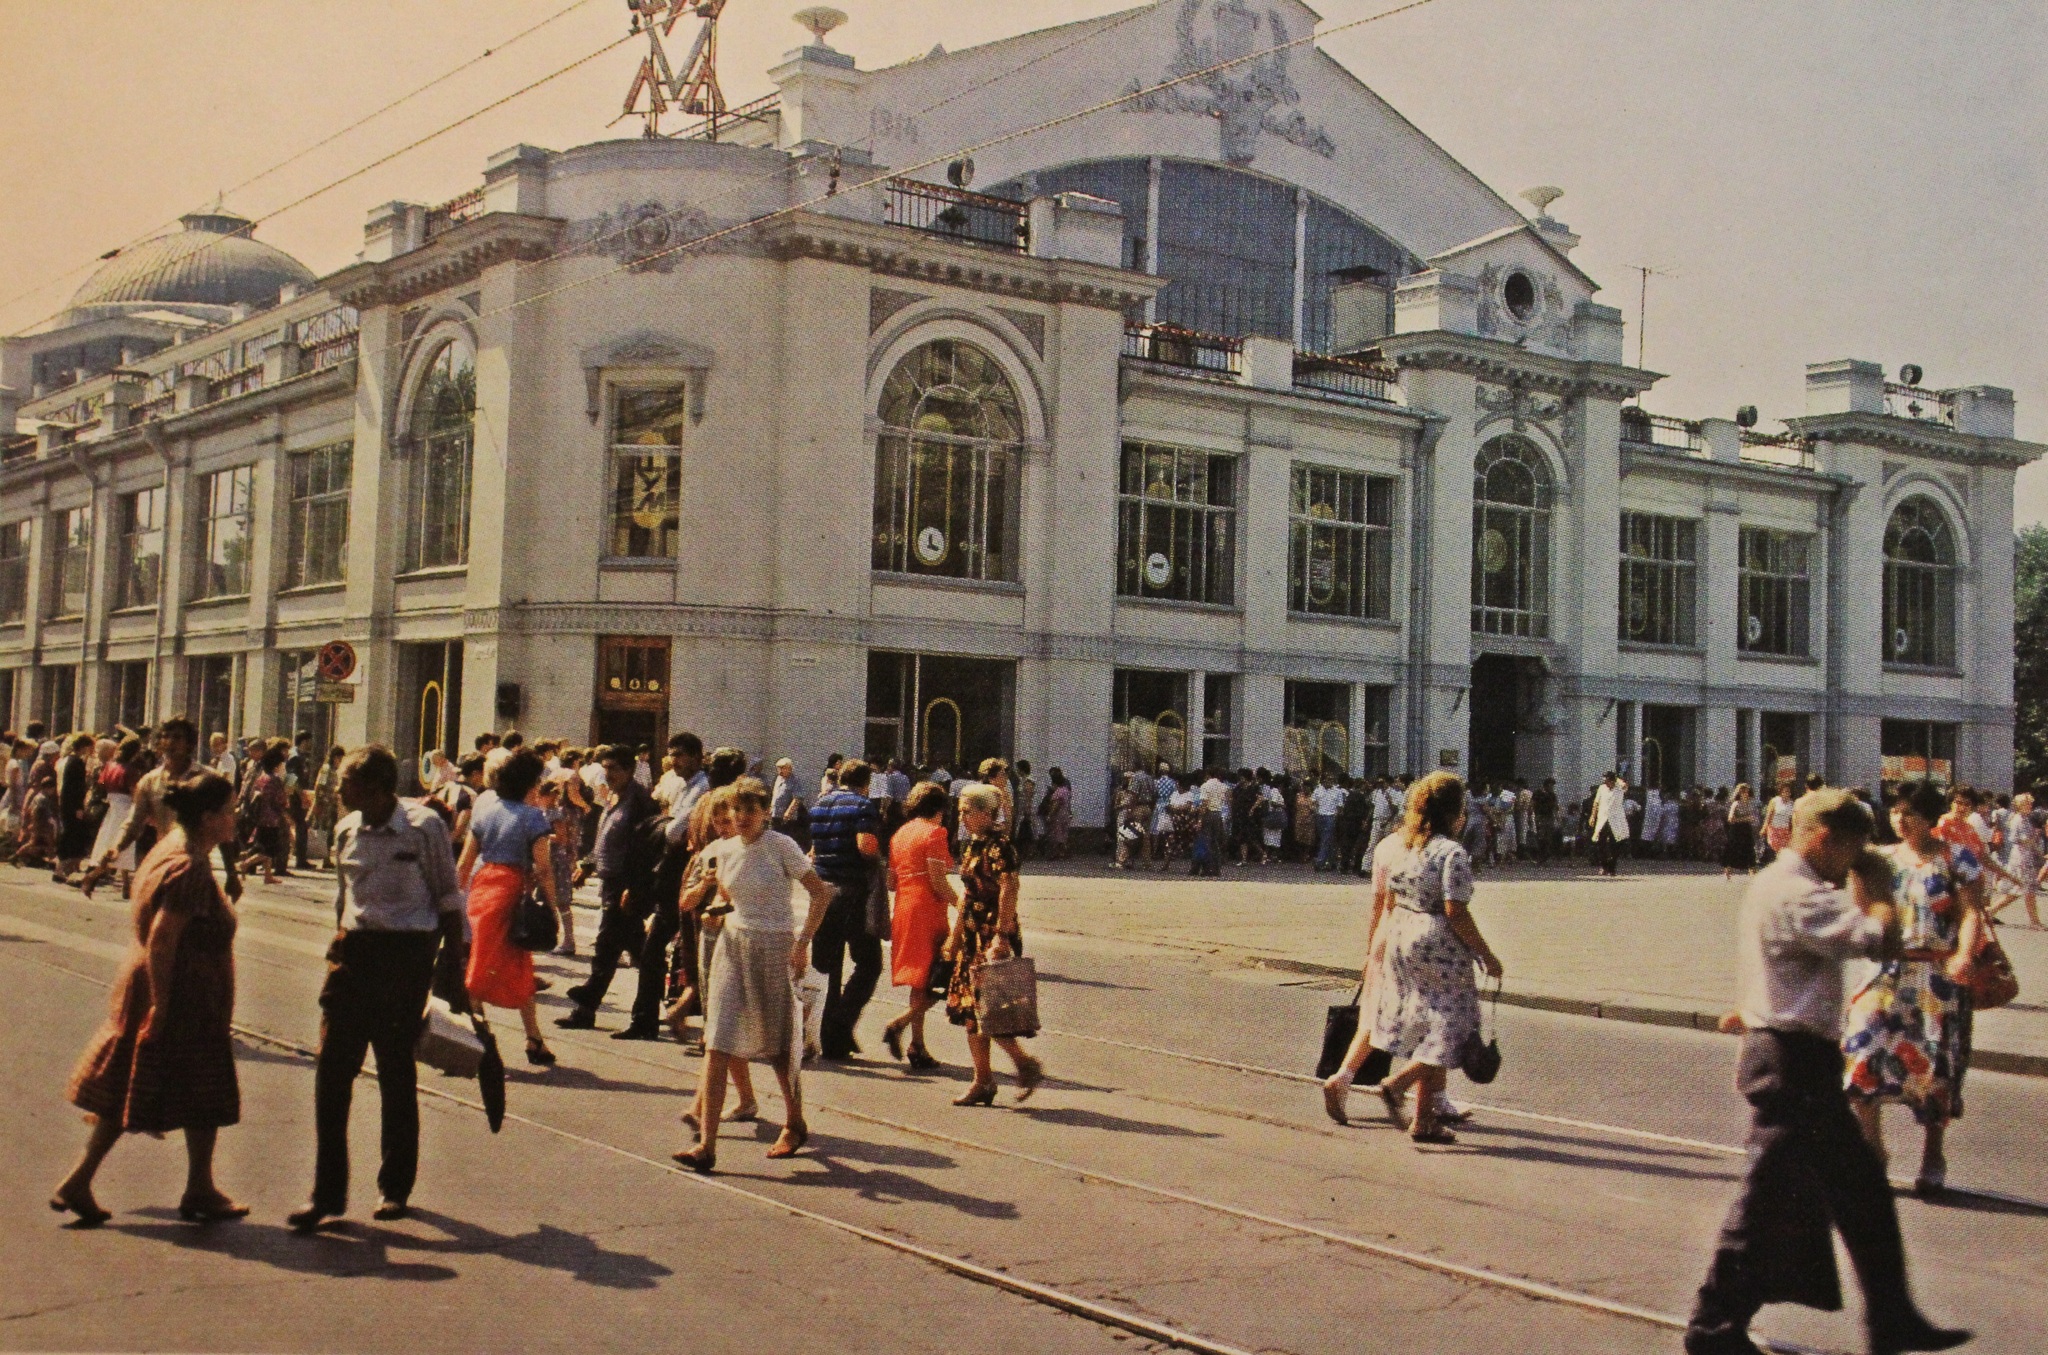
{"points": [[970, 218], [454, 212], [1355, 377], [1913, 402], [1172, 346], [710, 127], [1787, 449], [1644, 429], [241, 381], [327, 338]]}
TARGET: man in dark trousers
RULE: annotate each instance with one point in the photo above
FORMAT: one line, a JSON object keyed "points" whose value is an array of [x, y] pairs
{"points": [[661, 875], [846, 846], [396, 902], [1809, 1164], [622, 923]]}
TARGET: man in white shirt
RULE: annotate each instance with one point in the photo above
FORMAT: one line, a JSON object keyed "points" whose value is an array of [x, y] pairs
{"points": [[224, 760], [1809, 1164], [1328, 799], [1610, 822]]}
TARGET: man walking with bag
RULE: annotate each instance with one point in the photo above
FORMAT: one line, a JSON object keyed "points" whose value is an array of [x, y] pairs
{"points": [[395, 902], [1809, 1164], [846, 847]]}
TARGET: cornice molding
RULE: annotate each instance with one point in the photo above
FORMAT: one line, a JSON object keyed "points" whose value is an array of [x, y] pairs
{"points": [[1508, 364], [1919, 437], [1635, 457], [457, 256]]}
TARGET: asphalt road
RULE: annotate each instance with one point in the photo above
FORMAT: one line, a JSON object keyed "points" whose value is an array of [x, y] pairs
{"points": [[1175, 1175]]}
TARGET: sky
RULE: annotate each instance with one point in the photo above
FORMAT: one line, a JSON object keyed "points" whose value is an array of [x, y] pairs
{"points": [[1813, 180]]}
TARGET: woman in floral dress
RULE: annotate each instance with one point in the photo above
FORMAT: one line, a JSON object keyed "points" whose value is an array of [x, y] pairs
{"points": [[985, 928], [1427, 1002], [1908, 1028]]}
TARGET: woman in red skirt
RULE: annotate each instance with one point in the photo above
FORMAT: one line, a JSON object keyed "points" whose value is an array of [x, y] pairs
{"points": [[165, 1059], [508, 852]]}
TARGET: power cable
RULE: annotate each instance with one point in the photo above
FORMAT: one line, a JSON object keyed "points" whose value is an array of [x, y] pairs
{"points": [[373, 164]]}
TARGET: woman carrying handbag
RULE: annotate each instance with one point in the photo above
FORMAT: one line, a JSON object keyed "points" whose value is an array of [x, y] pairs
{"points": [[508, 852], [985, 930]]}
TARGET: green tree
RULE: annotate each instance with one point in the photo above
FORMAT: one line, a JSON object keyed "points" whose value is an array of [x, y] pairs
{"points": [[2030, 657]]}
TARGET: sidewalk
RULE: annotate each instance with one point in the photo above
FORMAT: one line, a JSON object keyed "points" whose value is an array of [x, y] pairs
{"points": [[1656, 945]]}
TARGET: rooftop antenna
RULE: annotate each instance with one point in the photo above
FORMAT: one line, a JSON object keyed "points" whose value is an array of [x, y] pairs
{"points": [[1645, 273], [696, 90]]}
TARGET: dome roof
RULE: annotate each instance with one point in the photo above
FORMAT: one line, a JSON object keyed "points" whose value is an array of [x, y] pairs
{"points": [[212, 262]]}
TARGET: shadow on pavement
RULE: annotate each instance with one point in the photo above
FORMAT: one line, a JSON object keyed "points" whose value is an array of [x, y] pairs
{"points": [[882, 1186], [347, 1249], [1045, 976], [1077, 1118]]}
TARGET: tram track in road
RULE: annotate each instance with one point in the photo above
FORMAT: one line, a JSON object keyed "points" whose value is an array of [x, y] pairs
{"points": [[1064, 1300]]}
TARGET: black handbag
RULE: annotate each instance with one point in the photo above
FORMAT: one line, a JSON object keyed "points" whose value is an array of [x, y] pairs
{"points": [[534, 924], [1340, 1028], [939, 978], [1479, 1057], [877, 921]]}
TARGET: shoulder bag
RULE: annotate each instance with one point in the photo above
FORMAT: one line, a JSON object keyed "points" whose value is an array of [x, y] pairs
{"points": [[1992, 982], [1006, 998], [534, 923], [878, 924]]}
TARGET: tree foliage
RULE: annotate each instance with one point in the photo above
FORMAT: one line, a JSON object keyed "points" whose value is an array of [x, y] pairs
{"points": [[2030, 657]]}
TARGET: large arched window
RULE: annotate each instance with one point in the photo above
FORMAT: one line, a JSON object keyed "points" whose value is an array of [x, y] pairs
{"points": [[1511, 492], [442, 434], [947, 466], [1919, 586]]}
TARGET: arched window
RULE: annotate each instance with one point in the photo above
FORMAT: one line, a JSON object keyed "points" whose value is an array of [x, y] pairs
{"points": [[1919, 586], [947, 466], [442, 434], [1511, 492]]}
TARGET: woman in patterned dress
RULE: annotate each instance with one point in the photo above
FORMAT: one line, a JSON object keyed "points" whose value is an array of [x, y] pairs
{"points": [[1908, 1028], [165, 1059], [1427, 1002], [985, 928], [2023, 860]]}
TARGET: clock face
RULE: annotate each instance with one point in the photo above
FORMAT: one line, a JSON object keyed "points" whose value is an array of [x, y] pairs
{"points": [[931, 546], [1158, 569], [1493, 551]]}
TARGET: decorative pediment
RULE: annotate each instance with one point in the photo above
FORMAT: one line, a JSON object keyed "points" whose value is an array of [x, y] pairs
{"points": [[646, 348]]}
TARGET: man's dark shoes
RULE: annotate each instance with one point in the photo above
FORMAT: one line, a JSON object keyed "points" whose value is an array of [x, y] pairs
{"points": [[636, 1031], [1918, 1334], [1720, 1343], [578, 1019], [310, 1218], [390, 1210]]}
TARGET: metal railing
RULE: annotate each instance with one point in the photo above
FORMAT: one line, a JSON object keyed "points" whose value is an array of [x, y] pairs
{"points": [[1645, 429], [454, 212], [1914, 402], [971, 218], [1172, 346], [709, 128], [327, 339], [241, 381], [1356, 377], [1788, 450]]}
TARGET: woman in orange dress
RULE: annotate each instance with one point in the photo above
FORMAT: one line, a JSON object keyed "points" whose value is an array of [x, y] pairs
{"points": [[919, 861], [508, 851], [165, 1059]]}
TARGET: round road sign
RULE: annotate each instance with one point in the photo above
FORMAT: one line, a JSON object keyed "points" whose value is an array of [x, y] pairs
{"points": [[336, 661]]}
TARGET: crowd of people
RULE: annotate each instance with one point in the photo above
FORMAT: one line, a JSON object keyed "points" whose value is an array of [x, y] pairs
{"points": [[449, 890]]}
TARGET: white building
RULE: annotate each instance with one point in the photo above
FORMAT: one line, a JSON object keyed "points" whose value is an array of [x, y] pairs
{"points": [[1235, 422]]}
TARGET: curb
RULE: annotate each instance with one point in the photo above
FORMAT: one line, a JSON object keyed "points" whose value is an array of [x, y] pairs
{"points": [[1988, 1060]]}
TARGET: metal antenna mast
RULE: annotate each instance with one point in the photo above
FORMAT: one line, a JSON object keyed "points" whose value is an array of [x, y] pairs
{"points": [[696, 90], [1644, 274]]}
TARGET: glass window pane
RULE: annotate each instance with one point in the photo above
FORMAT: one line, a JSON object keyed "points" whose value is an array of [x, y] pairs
{"points": [[946, 466]]}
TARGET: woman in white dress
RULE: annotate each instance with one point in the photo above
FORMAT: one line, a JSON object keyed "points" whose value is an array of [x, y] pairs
{"points": [[1427, 1002], [117, 777], [750, 1005]]}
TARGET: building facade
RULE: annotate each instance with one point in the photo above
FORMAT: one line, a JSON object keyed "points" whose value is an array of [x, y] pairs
{"points": [[1234, 424]]}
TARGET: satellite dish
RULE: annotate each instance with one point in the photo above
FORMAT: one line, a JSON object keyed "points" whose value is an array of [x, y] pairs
{"points": [[961, 172], [1745, 417], [1541, 196], [820, 19], [1910, 374]]}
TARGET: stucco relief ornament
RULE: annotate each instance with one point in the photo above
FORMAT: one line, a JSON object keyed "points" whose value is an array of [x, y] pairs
{"points": [[646, 237], [1250, 98], [1521, 407]]}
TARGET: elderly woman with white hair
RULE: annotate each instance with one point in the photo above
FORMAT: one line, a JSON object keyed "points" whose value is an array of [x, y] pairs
{"points": [[984, 929]]}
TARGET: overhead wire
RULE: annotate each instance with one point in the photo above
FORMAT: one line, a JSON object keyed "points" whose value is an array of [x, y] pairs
{"points": [[325, 141]]}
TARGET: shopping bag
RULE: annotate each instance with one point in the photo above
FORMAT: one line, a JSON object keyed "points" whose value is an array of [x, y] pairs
{"points": [[810, 1000], [447, 1042], [1006, 997]]}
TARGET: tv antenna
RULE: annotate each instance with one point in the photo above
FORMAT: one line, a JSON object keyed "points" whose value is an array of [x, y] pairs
{"points": [[694, 92], [1644, 274]]}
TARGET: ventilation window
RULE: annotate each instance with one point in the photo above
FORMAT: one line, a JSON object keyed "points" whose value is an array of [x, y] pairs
{"points": [[1520, 294]]}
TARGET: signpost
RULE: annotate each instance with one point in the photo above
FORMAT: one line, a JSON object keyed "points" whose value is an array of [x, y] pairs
{"points": [[329, 680]]}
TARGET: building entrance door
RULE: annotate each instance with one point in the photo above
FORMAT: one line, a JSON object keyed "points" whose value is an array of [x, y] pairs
{"points": [[937, 710], [429, 706], [632, 692], [1497, 698]]}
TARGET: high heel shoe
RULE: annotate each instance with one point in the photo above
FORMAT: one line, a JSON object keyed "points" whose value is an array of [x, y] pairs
{"points": [[794, 1137], [1030, 1073], [90, 1215], [892, 1036], [700, 1160], [921, 1060], [219, 1209], [980, 1094], [539, 1054]]}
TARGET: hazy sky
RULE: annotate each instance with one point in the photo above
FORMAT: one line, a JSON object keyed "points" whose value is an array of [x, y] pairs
{"points": [[1823, 178]]}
